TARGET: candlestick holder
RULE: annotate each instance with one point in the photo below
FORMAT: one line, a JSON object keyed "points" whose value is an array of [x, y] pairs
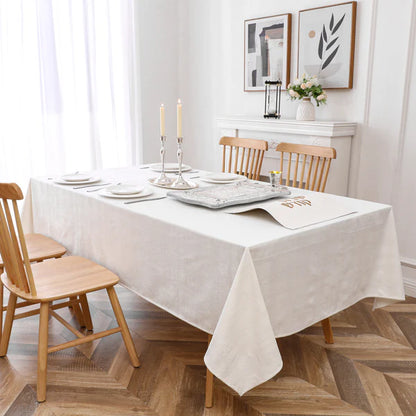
{"points": [[163, 180], [180, 182]]}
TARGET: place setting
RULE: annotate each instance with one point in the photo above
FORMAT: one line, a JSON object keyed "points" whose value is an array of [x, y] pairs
{"points": [[77, 178], [222, 178], [129, 193]]}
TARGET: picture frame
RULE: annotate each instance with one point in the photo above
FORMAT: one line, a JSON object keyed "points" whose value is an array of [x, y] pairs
{"points": [[326, 44], [267, 50]]}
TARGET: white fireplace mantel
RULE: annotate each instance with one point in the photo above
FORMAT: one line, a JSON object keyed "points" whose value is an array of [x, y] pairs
{"points": [[336, 134]]}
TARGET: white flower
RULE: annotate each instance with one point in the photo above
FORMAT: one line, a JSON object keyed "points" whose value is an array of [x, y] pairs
{"points": [[296, 82], [303, 86], [309, 84], [321, 97]]}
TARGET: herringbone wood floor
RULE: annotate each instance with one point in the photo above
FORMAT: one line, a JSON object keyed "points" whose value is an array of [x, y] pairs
{"points": [[370, 370]]}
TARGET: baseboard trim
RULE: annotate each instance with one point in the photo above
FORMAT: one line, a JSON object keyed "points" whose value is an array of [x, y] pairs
{"points": [[408, 262], [409, 287]]}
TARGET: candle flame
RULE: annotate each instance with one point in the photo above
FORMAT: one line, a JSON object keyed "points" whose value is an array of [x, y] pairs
{"points": [[162, 105], [179, 101]]}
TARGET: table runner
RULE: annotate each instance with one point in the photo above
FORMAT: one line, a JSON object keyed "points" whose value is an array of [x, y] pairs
{"points": [[299, 211], [243, 278]]}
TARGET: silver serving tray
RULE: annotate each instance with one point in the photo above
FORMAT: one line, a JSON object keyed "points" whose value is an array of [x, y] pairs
{"points": [[221, 196]]}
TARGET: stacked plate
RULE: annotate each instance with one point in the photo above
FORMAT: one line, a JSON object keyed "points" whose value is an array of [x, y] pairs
{"points": [[170, 167], [222, 178], [125, 191], [77, 178]]}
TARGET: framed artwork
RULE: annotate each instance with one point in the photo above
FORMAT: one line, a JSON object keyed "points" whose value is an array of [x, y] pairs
{"points": [[267, 51], [326, 42]]}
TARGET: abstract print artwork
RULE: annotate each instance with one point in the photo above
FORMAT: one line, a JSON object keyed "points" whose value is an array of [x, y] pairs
{"points": [[267, 51], [326, 44]]}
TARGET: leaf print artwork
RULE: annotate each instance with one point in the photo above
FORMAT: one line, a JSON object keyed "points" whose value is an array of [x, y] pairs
{"points": [[326, 55], [326, 44]]}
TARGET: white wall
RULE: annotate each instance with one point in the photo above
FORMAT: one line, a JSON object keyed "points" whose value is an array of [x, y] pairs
{"points": [[210, 75], [158, 39]]}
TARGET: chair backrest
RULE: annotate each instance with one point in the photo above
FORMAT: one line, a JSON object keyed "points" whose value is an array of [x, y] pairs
{"points": [[247, 154], [311, 166], [12, 240]]}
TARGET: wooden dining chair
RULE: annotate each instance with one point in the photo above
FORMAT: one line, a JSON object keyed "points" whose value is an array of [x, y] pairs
{"points": [[310, 165], [243, 156], [310, 171], [40, 248], [48, 281]]}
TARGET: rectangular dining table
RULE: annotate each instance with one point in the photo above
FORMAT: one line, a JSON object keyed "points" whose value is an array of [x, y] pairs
{"points": [[242, 277]]}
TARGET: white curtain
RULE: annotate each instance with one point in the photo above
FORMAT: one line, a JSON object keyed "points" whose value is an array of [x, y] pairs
{"points": [[68, 87]]}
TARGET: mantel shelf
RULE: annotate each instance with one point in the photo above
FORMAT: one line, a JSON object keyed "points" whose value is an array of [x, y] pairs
{"points": [[310, 128], [336, 134]]}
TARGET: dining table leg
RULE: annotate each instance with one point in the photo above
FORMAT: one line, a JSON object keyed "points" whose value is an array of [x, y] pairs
{"points": [[328, 334], [209, 385]]}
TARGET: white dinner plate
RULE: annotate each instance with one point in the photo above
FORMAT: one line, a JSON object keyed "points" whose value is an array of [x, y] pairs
{"points": [[93, 179], [222, 176], [76, 177], [208, 180], [169, 167], [125, 189], [142, 194]]}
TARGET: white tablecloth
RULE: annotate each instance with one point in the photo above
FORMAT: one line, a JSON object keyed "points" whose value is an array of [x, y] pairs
{"points": [[241, 277]]}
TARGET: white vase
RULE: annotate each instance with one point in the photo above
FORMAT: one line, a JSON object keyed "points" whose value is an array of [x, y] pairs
{"points": [[306, 110]]}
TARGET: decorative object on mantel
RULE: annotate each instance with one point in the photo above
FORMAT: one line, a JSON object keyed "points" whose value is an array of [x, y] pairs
{"points": [[267, 51], [326, 42], [272, 95], [304, 89]]}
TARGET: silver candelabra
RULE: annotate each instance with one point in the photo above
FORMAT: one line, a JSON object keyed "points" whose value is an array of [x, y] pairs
{"points": [[180, 182], [163, 179]]}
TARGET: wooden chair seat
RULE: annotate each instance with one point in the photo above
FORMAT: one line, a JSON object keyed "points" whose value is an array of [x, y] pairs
{"points": [[77, 275], [41, 248]]}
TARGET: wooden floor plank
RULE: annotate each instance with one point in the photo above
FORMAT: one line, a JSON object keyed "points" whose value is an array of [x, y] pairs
{"points": [[370, 370]]}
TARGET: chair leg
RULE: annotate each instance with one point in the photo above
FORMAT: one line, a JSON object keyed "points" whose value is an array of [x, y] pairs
{"points": [[326, 326], [1, 304], [125, 332], [42, 351], [8, 323], [78, 312], [209, 384], [86, 312]]}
